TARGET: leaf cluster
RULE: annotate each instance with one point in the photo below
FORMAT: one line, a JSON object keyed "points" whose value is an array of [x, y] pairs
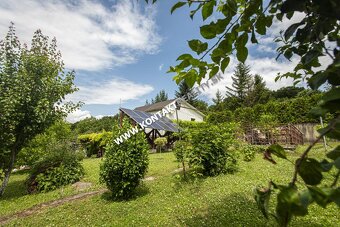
{"points": [[125, 165]]}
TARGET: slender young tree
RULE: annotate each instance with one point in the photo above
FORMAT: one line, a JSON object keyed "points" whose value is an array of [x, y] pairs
{"points": [[33, 85], [218, 101], [242, 82]]}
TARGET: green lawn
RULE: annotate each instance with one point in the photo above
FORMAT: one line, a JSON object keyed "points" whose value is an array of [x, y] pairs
{"points": [[225, 200]]}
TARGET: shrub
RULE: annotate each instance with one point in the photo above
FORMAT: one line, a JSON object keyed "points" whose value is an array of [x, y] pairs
{"points": [[220, 117], [125, 165], [161, 142], [61, 167], [210, 153], [248, 152], [95, 143], [43, 144]]}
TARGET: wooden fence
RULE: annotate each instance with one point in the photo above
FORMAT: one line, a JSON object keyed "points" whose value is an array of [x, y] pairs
{"points": [[284, 135]]}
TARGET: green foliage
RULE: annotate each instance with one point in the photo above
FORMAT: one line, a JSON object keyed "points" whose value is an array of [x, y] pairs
{"points": [[161, 142], [125, 165], [62, 167], [210, 153], [220, 117], [160, 97], [33, 85], [93, 125], [95, 143], [248, 152], [287, 92], [242, 82], [44, 144]]}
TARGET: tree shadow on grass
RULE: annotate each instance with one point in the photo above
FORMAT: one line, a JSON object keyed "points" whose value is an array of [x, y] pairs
{"points": [[234, 210], [15, 189], [140, 191]]}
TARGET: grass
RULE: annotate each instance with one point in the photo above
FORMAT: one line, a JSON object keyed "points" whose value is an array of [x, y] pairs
{"points": [[224, 200]]}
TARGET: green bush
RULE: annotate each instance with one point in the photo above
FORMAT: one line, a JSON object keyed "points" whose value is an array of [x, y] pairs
{"points": [[60, 168], [161, 142], [43, 144], [248, 152], [95, 143], [125, 165], [220, 117], [210, 153]]}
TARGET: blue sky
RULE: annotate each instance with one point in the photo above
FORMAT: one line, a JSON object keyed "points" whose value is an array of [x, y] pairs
{"points": [[122, 49]]}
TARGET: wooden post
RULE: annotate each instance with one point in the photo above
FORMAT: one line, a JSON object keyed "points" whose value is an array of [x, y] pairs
{"points": [[324, 138]]}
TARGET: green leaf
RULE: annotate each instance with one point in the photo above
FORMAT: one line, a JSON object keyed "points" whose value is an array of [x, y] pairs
{"points": [[321, 195], [213, 71], [261, 25], [217, 54], [197, 46], [242, 54], [277, 150], [242, 40], [335, 196], [226, 45], [325, 165], [190, 78], [177, 5], [262, 197], [291, 29], [253, 37], [317, 80], [334, 154], [184, 57], [221, 25], [310, 171], [208, 9], [208, 31], [310, 56], [225, 63], [337, 163]]}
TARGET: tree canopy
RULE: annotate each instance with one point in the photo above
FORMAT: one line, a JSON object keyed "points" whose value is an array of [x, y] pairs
{"points": [[33, 86]]}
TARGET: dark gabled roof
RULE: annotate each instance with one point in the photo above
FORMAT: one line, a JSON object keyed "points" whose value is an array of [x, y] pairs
{"points": [[154, 107]]}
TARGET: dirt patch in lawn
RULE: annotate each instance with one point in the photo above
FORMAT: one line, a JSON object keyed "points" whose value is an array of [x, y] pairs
{"points": [[37, 208]]}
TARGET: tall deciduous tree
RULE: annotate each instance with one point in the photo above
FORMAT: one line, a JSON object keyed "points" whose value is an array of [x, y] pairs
{"points": [[33, 85]]}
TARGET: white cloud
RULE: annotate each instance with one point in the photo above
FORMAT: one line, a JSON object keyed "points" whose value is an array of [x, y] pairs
{"points": [[90, 36], [78, 115], [161, 67], [110, 92], [268, 68]]}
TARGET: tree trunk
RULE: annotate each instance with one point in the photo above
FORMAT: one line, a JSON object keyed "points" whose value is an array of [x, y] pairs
{"points": [[8, 172]]}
